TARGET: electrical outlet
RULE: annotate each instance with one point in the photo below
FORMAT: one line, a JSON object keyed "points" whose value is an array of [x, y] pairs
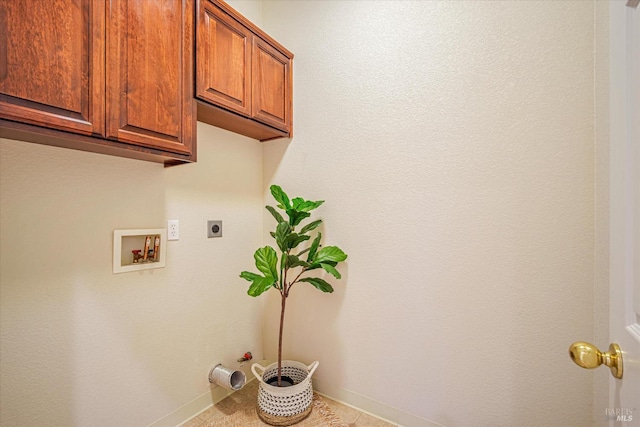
{"points": [[173, 229], [214, 228]]}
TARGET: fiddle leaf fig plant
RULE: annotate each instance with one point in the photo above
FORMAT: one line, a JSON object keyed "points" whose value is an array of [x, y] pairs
{"points": [[283, 268]]}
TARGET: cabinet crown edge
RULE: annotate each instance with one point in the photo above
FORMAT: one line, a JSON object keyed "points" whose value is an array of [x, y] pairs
{"points": [[250, 25]]}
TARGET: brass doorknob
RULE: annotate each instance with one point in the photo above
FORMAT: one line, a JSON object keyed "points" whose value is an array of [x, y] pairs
{"points": [[588, 356]]}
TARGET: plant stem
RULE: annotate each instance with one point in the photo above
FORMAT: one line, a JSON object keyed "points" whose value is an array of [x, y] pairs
{"points": [[295, 280], [285, 290], [283, 283], [284, 302]]}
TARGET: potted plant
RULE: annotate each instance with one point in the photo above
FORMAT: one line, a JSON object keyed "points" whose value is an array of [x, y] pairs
{"points": [[281, 270]]}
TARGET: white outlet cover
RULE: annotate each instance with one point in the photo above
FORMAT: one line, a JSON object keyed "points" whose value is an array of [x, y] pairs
{"points": [[173, 229]]}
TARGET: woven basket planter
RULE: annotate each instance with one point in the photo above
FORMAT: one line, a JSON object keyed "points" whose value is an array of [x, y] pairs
{"points": [[284, 406]]}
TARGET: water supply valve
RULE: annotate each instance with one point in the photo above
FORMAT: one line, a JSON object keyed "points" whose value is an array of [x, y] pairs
{"points": [[245, 357]]}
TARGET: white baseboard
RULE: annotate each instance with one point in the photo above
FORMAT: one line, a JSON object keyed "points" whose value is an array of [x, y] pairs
{"points": [[346, 397], [193, 408], [198, 405], [372, 407]]}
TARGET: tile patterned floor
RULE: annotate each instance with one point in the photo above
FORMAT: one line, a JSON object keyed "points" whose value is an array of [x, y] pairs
{"points": [[246, 398]]}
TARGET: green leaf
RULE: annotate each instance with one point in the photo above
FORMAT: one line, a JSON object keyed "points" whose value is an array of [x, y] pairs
{"points": [[266, 262], [294, 239], [275, 214], [311, 226], [315, 265], [272, 234], [260, 285], [281, 197], [330, 253], [331, 270], [247, 275], [295, 202], [302, 205], [314, 248], [294, 261], [304, 251], [283, 231], [296, 217], [318, 284]]}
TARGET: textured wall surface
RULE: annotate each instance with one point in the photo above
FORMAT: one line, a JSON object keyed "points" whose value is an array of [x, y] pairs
{"points": [[81, 346], [454, 144]]}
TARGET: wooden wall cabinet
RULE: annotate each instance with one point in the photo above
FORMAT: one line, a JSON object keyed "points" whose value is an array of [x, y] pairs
{"points": [[112, 77], [52, 64], [243, 76]]}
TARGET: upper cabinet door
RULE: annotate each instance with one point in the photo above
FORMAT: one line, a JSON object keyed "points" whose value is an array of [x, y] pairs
{"points": [[149, 74], [271, 85], [243, 76], [223, 52], [52, 64]]}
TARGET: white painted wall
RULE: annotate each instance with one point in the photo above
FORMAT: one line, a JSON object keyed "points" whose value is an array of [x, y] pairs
{"points": [[81, 346], [454, 144], [250, 9]]}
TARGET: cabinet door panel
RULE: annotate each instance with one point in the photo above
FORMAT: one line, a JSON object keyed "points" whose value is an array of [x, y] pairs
{"points": [[51, 64], [223, 60], [149, 73], [271, 82]]}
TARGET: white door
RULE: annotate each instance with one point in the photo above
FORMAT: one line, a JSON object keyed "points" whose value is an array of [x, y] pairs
{"points": [[624, 308]]}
